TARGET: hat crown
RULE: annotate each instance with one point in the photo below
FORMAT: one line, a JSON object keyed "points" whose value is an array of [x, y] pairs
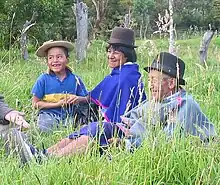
{"points": [[172, 62], [170, 65], [48, 42], [42, 50], [122, 36]]}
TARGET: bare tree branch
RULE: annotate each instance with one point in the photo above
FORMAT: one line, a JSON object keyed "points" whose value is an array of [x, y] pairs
{"points": [[100, 6], [24, 39]]}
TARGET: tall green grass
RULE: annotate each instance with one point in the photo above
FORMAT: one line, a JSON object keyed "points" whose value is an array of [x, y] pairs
{"points": [[159, 161]]}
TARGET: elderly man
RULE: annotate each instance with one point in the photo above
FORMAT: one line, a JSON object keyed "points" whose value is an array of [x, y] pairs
{"points": [[171, 108], [8, 115]]}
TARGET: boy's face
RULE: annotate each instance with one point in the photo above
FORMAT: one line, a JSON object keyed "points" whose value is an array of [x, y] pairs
{"points": [[56, 59], [115, 58], [160, 85]]}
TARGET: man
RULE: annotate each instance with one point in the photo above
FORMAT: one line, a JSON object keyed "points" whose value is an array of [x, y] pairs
{"points": [[171, 107], [8, 115]]}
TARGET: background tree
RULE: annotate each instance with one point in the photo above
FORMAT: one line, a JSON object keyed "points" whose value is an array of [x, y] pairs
{"points": [[24, 38], [142, 11], [81, 12], [56, 20], [100, 7], [172, 48], [215, 12], [127, 22], [195, 12], [68, 21]]}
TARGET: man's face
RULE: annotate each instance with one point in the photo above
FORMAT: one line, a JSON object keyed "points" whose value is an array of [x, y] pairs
{"points": [[160, 85], [115, 58], [56, 59]]}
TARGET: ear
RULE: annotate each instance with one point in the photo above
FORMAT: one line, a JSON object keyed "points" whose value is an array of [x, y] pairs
{"points": [[172, 83]]}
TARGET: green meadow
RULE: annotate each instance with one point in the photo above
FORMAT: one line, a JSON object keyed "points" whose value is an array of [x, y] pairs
{"points": [[178, 161]]}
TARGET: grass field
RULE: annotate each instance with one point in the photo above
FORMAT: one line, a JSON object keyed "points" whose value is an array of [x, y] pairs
{"points": [[184, 161]]}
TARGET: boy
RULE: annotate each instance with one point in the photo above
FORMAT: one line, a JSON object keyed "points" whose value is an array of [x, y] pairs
{"points": [[54, 90]]}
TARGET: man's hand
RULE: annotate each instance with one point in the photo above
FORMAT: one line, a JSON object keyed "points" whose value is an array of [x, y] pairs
{"points": [[17, 118], [115, 141], [125, 121]]}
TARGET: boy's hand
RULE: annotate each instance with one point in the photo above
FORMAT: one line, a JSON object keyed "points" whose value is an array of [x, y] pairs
{"points": [[17, 118], [73, 99], [62, 102]]}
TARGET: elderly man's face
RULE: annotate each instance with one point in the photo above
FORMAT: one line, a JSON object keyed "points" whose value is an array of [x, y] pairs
{"points": [[160, 84]]}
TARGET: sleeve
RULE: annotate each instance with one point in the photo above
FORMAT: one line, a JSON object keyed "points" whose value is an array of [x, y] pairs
{"points": [[194, 121], [137, 118], [4, 109], [38, 89], [80, 87], [95, 93]]}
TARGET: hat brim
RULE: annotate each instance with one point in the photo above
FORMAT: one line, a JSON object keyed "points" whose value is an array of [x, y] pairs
{"points": [[148, 69], [118, 43], [42, 50]]}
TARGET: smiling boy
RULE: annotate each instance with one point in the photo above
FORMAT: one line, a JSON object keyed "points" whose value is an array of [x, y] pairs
{"points": [[53, 91]]}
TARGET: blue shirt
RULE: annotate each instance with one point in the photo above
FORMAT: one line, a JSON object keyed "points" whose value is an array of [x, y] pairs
{"points": [[49, 88]]}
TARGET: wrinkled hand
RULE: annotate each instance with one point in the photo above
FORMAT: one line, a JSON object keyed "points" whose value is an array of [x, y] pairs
{"points": [[125, 120], [115, 140], [17, 118]]}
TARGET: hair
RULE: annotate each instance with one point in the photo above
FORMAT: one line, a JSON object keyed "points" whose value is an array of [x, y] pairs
{"points": [[129, 52], [65, 50], [177, 86]]}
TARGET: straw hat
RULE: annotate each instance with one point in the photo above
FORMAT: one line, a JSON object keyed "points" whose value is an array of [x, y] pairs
{"points": [[42, 50]]}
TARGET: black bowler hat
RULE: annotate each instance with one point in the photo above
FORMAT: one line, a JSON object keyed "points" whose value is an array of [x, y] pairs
{"points": [[170, 65], [123, 37]]}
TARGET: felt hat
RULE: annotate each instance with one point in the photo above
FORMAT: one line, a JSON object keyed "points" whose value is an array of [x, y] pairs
{"points": [[170, 65], [123, 37]]}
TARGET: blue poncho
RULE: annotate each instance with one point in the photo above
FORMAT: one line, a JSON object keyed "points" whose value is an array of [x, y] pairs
{"points": [[120, 91]]}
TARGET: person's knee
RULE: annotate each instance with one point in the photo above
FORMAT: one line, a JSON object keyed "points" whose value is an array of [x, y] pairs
{"points": [[4, 129], [9, 139], [45, 128], [46, 123]]}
